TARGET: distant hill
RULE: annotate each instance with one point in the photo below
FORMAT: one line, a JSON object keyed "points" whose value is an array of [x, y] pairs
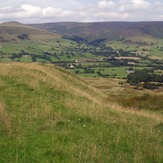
{"points": [[15, 31], [144, 31], [107, 30]]}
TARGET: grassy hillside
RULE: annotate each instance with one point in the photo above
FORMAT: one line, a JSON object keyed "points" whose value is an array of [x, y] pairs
{"points": [[49, 115], [10, 31], [119, 91]]}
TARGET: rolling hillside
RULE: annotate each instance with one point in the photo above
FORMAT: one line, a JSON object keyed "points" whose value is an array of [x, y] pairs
{"points": [[50, 115], [107, 30], [13, 32]]}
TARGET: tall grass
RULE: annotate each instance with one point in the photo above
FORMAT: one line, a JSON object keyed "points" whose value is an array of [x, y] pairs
{"points": [[49, 115], [145, 101]]}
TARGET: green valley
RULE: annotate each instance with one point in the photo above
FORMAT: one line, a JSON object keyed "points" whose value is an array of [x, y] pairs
{"points": [[81, 92], [86, 57]]}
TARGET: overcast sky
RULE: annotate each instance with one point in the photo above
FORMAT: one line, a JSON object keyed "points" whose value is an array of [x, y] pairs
{"points": [[40, 11]]}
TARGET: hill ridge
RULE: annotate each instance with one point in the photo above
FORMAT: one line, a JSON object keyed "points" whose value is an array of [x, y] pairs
{"points": [[110, 30], [9, 32]]}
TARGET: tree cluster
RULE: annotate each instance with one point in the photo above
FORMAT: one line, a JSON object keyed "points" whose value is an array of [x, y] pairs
{"points": [[23, 36], [149, 79]]}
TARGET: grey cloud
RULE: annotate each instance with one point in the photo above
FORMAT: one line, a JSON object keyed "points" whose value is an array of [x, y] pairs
{"points": [[103, 10]]}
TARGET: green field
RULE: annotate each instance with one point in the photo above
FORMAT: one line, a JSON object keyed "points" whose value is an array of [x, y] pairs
{"points": [[109, 72], [82, 56], [152, 50]]}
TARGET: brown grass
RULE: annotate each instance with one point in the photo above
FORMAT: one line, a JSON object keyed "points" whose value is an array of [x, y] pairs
{"points": [[65, 81], [133, 58], [66, 115], [149, 114], [4, 117], [113, 87], [114, 90], [54, 78]]}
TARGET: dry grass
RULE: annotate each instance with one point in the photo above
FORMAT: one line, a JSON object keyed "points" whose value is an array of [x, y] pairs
{"points": [[53, 78], [4, 117], [144, 113], [58, 117], [115, 91], [119, 87], [127, 58]]}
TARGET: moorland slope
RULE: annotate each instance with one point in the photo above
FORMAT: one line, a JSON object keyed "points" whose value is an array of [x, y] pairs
{"points": [[107, 30], [14, 32]]}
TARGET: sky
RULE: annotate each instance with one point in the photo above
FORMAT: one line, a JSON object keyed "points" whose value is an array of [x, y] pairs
{"points": [[41, 11]]}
